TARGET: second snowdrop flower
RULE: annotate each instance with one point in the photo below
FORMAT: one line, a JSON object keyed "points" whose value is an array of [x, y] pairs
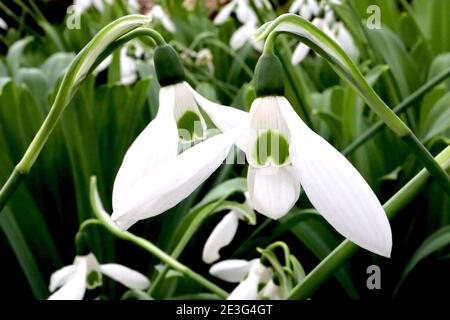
{"points": [[71, 282], [283, 152], [223, 234], [157, 171], [251, 275]]}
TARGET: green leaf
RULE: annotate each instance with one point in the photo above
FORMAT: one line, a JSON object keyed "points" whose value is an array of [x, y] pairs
{"points": [[437, 241]]}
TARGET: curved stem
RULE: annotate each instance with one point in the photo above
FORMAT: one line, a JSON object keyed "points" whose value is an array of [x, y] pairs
{"points": [[77, 72], [346, 68], [347, 248], [106, 222], [187, 235]]}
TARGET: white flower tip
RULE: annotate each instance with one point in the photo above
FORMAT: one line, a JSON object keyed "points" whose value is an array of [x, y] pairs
{"points": [[121, 223]]}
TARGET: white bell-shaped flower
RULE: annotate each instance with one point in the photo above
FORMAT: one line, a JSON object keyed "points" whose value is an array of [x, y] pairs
{"points": [[251, 275], [284, 153], [155, 175], [71, 282]]}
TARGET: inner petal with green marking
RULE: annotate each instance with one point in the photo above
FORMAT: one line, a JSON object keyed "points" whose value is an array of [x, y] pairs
{"points": [[190, 126], [94, 279], [272, 146]]}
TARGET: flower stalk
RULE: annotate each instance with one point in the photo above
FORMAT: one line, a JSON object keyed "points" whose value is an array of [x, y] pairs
{"points": [[105, 221], [346, 249]]}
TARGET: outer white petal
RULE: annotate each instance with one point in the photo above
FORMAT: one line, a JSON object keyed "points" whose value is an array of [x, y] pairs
{"points": [[82, 5], [225, 118], [271, 291], [233, 270], [128, 73], [60, 277], [3, 24], [247, 289], [155, 146], [295, 6], [245, 13], [225, 12], [104, 64], [336, 189], [173, 182], [273, 190], [158, 13], [220, 237], [300, 53], [126, 276], [313, 7], [344, 38], [243, 34], [75, 287]]}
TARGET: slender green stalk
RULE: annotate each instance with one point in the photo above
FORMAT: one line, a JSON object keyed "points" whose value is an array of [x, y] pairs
{"points": [[407, 102], [106, 222], [78, 70], [193, 227], [346, 249]]}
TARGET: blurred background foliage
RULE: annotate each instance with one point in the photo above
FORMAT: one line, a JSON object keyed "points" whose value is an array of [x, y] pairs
{"points": [[39, 223]]}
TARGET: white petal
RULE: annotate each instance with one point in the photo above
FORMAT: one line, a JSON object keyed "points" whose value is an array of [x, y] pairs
{"points": [[336, 189], [3, 24], [241, 36], [344, 38], [126, 276], [245, 13], [224, 13], [295, 6], [104, 64], [314, 7], [300, 53], [75, 287], [305, 12], [158, 13], [173, 182], [60, 277], [128, 73], [231, 270], [220, 237], [271, 291], [273, 190], [247, 289], [155, 146]]}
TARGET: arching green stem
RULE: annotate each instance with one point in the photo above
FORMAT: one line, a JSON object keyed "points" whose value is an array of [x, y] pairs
{"points": [[80, 67], [344, 67]]}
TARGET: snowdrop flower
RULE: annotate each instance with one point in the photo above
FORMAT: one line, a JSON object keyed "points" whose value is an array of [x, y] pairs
{"points": [[204, 58], [249, 21], [71, 282], [249, 274], [155, 175], [3, 24], [222, 235], [283, 152]]}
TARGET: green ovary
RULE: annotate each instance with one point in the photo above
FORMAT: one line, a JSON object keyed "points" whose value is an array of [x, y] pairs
{"points": [[189, 126], [273, 145]]}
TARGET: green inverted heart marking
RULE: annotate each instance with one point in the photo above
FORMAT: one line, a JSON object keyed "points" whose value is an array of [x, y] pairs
{"points": [[271, 145], [189, 126]]}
